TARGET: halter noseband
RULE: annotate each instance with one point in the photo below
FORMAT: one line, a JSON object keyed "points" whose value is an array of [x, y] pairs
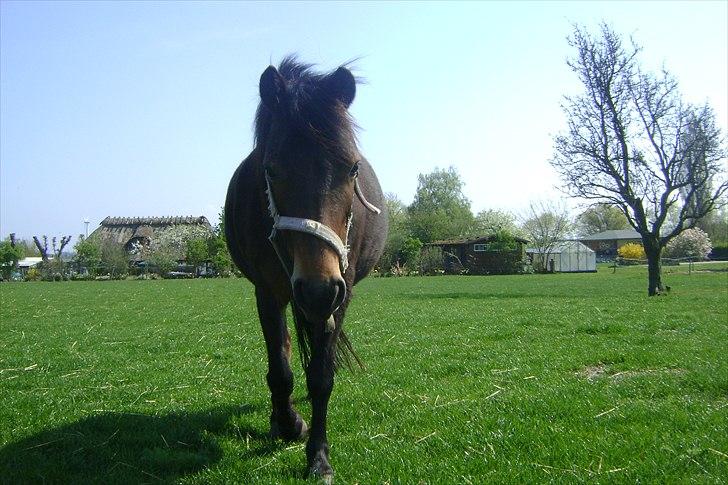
{"points": [[312, 227]]}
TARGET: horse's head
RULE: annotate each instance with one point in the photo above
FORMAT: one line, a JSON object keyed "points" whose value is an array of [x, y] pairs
{"points": [[310, 158]]}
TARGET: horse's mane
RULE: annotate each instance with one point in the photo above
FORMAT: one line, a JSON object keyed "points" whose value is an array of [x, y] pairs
{"points": [[308, 106]]}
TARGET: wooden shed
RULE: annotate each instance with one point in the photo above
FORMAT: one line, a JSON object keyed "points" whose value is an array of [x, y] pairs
{"points": [[483, 255]]}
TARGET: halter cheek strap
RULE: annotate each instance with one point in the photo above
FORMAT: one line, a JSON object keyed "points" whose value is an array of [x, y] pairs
{"points": [[312, 227]]}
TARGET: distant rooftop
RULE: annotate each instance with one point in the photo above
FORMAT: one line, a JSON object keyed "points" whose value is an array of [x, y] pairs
{"points": [[154, 221], [474, 240], [562, 247], [618, 234]]}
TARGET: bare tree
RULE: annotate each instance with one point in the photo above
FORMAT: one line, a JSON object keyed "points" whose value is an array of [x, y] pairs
{"points": [[57, 250], [631, 141], [56, 265], [545, 225], [43, 248]]}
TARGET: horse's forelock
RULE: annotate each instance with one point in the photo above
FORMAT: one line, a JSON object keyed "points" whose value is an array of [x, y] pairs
{"points": [[308, 107]]}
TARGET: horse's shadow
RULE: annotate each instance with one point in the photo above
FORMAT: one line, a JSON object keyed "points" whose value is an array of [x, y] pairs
{"points": [[130, 448]]}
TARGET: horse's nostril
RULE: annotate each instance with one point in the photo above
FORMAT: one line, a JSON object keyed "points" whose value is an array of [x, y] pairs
{"points": [[319, 298], [340, 293]]}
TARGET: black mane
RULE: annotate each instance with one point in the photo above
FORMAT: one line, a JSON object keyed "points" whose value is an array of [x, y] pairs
{"points": [[308, 107]]}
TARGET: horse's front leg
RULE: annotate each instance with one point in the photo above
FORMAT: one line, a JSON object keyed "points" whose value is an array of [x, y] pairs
{"points": [[320, 381], [285, 422]]}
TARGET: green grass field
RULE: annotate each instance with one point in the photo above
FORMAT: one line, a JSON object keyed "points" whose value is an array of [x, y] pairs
{"points": [[507, 379]]}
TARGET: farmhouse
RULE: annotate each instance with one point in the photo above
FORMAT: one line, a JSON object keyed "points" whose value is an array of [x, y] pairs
{"points": [[565, 257], [483, 255], [134, 232], [606, 243]]}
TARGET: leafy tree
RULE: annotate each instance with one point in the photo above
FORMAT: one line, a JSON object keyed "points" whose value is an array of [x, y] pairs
{"points": [[545, 225], [161, 260], [410, 253], [715, 225], [398, 233], [502, 240], [631, 141], [440, 210], [198, 252], [691, 243], [600, 218], [114, 259], [10, 254], [217, 247], [219, 230], [29, 248], [492, 221], [697, 171], [88, 253], [218, 252]]}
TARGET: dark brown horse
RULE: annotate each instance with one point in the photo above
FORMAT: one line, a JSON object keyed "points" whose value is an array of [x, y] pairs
{"points": [[303, 224]]}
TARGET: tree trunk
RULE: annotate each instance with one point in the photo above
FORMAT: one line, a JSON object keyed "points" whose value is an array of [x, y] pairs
{"points": [[653, 251]]}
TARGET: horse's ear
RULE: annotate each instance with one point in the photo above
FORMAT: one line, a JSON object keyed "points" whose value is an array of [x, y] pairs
{"points": [[342, 85], [272, 88]]}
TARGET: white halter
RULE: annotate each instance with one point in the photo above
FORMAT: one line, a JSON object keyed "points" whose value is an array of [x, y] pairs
{"points": [[315, 228]]}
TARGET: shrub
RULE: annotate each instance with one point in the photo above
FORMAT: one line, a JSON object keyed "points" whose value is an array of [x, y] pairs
{"points": [[9, 257], [431, 261], [81, 277], [114, 259], [410, 251], [33, 275], [632, 251], [502, 241], [525, 267], [691, 243]]}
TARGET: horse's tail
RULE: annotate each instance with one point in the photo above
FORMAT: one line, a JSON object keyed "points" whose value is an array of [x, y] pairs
{"points": [[345, 355]]}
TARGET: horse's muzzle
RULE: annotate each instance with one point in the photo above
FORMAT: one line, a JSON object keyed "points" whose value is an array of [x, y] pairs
{"points": [[319, 298]]}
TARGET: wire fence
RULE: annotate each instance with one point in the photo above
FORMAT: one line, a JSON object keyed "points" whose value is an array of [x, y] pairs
{"points": [[619, 261]]}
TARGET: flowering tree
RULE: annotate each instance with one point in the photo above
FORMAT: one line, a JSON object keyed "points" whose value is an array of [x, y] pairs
{"points": [[170, 245], [691, 243]]}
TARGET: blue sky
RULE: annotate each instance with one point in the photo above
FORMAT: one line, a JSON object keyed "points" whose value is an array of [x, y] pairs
{"points": [[140, 109]]}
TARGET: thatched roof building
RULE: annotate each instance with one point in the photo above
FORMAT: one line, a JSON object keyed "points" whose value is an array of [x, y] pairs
{"points": [[131, 231]]}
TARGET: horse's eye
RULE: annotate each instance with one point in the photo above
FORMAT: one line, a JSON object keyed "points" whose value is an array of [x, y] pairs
{"points": [[354, 170]]}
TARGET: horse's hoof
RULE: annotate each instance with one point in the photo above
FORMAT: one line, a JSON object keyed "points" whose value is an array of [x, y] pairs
{"points": [[327, 479], [321, 471]]}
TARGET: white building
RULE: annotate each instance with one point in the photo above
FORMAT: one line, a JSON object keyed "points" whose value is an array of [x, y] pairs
{"points": [[565, 257], [31, 262]]}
